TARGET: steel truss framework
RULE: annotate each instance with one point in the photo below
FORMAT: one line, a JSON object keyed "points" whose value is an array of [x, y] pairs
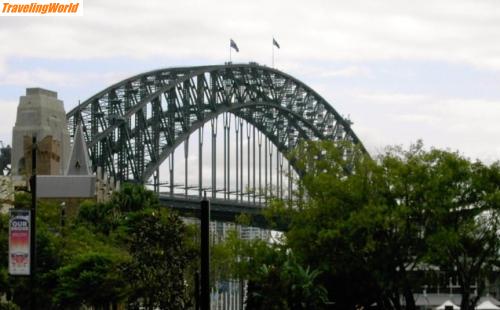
{"points": [[133, 126]]}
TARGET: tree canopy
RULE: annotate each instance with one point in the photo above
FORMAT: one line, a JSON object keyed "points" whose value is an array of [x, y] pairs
{"points": [[129, 251], [361, 232], [374, 231]]}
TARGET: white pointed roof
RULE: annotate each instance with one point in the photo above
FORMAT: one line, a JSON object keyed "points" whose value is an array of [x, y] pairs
{"points": [[448, 303], [487, 305], [79, 160]]}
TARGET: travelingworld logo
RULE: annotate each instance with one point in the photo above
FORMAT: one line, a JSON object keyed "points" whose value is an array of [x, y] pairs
{"points": [[42, 8]]}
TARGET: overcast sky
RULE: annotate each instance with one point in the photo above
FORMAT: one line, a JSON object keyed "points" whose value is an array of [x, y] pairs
{"points": [[401, 70]]}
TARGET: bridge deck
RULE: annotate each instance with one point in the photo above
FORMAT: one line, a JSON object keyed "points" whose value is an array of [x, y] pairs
{"points": [[221, 209]]}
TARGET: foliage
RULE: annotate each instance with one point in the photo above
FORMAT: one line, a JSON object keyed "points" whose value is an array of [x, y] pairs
{"points": [[285, 284], [466, 221], [8, 305], [133, 197], [98, 217], [275, 279], [91, 279], [159, 259], [22, 200], [127, 250], [369, 225], [358, 233]]}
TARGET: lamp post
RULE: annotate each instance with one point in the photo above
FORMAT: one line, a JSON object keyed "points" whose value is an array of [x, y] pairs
{"points": [[205, 254], [33, 224], [63, 214]]}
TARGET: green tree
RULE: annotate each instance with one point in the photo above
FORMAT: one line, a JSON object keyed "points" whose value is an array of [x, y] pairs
{"points": [[368, 225], [331, 227], [156, 241], [98, 217], [276, 280], [465, 239], [92, 279], [133, 197], [160, 246], [96, 257]]}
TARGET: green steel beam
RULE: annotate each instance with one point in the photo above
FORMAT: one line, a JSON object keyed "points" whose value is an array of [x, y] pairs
{"points": [[131, 127]]}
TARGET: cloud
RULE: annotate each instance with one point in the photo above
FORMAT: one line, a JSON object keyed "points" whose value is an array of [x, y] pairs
{"points": [[467, 125], [347, 72], [450, 30], [2, 66], [42, 76], [380, 98], [340, 48], [9, 111]]}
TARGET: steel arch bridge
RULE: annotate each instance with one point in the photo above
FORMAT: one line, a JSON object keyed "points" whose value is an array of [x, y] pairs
{"points": [[133, 126]]}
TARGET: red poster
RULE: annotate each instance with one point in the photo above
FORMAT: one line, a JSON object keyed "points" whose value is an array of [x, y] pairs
{"points": [[19, 242]]}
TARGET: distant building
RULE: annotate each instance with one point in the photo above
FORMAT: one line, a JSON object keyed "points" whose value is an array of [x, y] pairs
{"points": [[77, 181], [40, 113], [63, 171]]}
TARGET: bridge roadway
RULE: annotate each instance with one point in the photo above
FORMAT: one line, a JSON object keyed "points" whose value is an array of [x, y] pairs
{"points": [[223, 210]]}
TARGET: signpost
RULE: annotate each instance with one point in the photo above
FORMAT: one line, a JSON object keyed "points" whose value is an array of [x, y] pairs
{"points": [[205, 254], [33, 223], [19, 242]]}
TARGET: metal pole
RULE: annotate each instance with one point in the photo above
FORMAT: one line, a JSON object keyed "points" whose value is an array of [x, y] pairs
{"points": [[157, 180], [205, 254], [248, 160], [241, 155], [270, 169], [236, 120], [281, 176], [186, 155], [277, 173], [171, 171], [273, 55], [253, 162], [265, 169], [259, 137], [290, 180], [225, 155], [200, 160], [228, 155], [63, 214], [214, 157], [196, 290], [33, 224]]}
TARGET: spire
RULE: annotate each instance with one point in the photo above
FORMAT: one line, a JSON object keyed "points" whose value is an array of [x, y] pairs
{"points": [[79, 158]]}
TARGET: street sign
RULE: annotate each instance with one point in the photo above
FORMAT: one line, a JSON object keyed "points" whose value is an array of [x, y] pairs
{"points": [[19, 242]]}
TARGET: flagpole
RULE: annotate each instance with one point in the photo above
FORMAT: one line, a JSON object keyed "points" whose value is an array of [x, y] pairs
{"points": [[278, 46], [230, 54], [273, 54]]}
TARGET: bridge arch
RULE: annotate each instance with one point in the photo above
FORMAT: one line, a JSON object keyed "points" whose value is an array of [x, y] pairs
{"points": [[132, 126]]}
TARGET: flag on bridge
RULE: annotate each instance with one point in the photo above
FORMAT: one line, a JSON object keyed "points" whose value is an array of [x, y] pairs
{"points": [[233, 45], [275, 43]]}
